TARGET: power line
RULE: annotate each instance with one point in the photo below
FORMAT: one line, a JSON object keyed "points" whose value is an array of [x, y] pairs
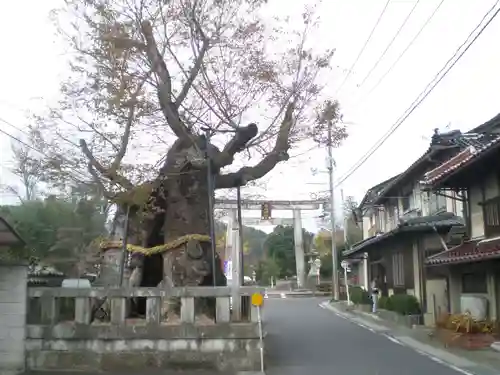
{"points": [[33, 148], [364, 47], [401, 55], [13, 126], [398, 32], [428, 89]]}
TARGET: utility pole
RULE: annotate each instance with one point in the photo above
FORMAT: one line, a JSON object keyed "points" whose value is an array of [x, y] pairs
{"points": [[331, 164], [345, 217]]}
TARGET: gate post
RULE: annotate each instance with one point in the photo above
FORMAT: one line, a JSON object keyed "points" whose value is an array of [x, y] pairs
{"points": [[236, 265], [299, 248]]}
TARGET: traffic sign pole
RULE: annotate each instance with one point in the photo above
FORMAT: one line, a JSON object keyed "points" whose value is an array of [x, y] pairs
{"points": [[257, 300]]}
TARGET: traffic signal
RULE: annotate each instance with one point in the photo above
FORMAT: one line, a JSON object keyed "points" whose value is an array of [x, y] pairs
{"points": [[265, 211]]}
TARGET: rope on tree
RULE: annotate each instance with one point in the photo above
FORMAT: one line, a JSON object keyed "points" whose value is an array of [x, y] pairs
{"points": [[156, 249]]}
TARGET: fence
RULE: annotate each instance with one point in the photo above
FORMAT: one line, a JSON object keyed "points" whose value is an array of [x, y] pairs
{"points": [[76, 343]]}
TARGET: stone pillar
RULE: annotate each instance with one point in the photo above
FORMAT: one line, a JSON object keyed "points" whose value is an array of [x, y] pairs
{"points": [[13, 309], [228, 252], [110, 266], [299, 248], [236, 262], [366, 275]]}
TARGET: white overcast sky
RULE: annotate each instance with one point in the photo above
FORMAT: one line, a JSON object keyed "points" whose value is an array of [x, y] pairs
{"points": [[32, 62]]}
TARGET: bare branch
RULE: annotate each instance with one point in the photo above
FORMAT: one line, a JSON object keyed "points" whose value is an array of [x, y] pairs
{"points": [[197, 65], [158, 65], [279, 153], [237, 144], [98, 182], [109, 173]]}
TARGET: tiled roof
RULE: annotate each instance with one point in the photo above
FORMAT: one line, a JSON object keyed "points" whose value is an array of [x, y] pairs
{"points": [[374, 191], [417, 224], [477, 144], [470, 251], [452, 140], [41, 270]]}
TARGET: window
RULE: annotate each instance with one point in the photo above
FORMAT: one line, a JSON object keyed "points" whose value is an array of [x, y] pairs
{"points": [[491, 217], [437, 203], [398, 275], [474, 283], [406, 203]]}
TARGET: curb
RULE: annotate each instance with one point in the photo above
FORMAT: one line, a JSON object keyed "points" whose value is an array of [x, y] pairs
{"points": [[412, 344]]}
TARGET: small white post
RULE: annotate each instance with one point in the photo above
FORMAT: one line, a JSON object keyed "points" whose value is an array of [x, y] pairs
{"points": [[345, 265], [347, 287], [257, 301]]}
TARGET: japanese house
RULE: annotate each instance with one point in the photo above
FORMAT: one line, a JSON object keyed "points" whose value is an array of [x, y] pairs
{"points": [[466, 277], [403, 224]]}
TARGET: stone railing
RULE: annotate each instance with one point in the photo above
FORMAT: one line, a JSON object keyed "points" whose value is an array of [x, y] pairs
{"points": [[74, 342]]}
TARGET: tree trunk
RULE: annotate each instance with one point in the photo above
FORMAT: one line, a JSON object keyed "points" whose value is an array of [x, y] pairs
{"points": [[181, 208]]}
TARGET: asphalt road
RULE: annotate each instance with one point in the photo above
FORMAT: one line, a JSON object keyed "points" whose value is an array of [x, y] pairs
{"points": [[304, 339]]}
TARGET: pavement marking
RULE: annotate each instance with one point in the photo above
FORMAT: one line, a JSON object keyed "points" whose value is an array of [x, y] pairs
{"points": [[409, 342], [394, 340]]}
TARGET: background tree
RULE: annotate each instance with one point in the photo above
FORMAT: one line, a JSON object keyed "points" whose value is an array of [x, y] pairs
{"points": [[253, 247], [354, 232], [26, 167], [57, 231], [266, 270], [279, 247]]}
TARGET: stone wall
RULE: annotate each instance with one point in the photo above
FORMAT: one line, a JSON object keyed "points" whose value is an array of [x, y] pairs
{"points": [[138, 348], [121, 343], [13, 285]]}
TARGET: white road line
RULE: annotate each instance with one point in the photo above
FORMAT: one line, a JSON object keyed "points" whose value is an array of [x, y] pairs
{"points": [[396, 341]]}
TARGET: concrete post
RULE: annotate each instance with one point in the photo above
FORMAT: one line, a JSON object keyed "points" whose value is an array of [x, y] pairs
{"points": [[299, 248], [228, 252], [13, 309], [236, 262]]}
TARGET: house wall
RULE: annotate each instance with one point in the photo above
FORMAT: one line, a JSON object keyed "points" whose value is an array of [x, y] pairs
{"points": [[490, 270], [398, 261], [387, 218], [13, 297], [486, 189], [366, 226]]}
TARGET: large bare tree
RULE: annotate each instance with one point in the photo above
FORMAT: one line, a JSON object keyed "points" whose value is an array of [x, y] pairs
{"points": [[155, 74]]}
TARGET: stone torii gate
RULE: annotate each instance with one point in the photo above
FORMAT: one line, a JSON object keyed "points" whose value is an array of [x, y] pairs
{"points": [[233, 235]]}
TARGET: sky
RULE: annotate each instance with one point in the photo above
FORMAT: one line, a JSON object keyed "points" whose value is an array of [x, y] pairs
{"points": [[34, 61]]}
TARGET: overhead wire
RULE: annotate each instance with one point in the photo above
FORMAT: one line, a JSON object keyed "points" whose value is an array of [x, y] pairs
{"points": [[428, 89], [390, 44], [76, 177], [367, 41], [402, 54]]}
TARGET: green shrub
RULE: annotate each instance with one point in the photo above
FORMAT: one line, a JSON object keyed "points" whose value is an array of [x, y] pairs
{"points": [[382, 303], [359, 296], [403, 304]]}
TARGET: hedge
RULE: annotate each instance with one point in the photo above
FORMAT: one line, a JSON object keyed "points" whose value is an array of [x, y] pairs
{"points": [[403, 304], [359, 296]]}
